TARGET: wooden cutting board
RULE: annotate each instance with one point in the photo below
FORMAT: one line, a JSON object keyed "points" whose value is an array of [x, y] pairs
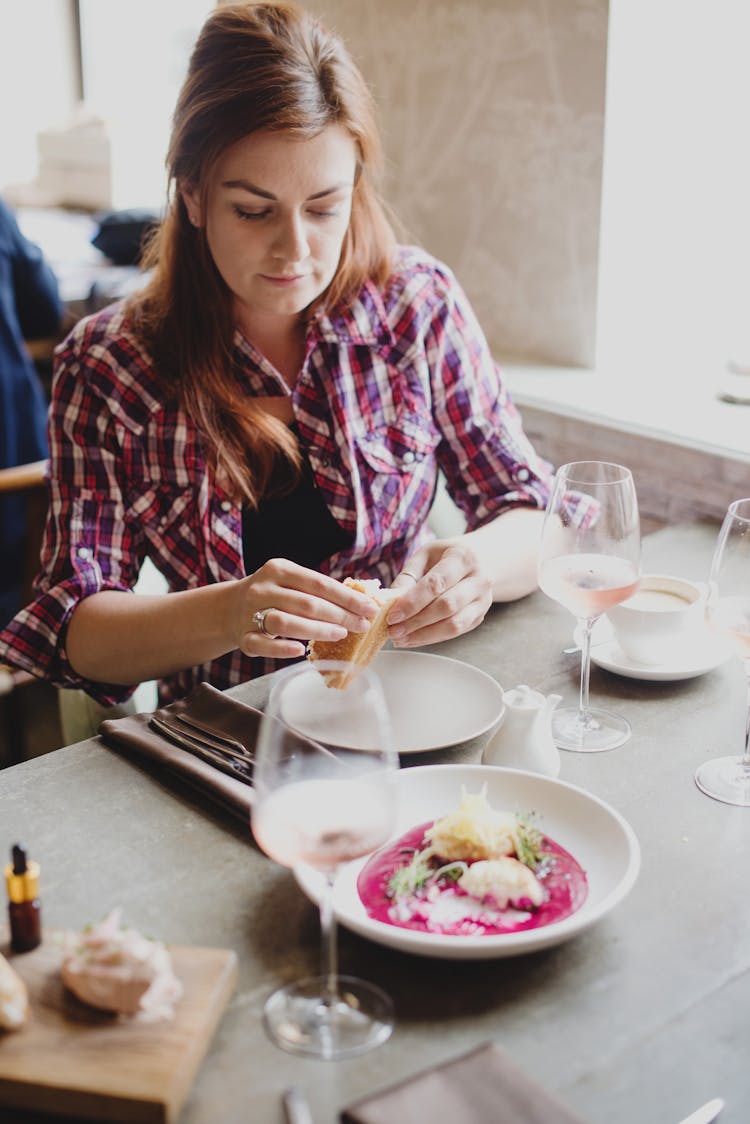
{"points": [[72, 1060]]}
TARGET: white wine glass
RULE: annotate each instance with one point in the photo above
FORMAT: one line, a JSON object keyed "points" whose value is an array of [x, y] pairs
{"points": [[728, 611], [590, 560], [325, 794]]}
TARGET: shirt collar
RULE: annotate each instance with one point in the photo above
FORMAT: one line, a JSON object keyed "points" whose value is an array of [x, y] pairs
{"points": [[361, 321]]}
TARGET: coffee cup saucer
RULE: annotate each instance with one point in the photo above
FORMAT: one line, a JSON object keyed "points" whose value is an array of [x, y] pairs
{"points": [[705, 653]]}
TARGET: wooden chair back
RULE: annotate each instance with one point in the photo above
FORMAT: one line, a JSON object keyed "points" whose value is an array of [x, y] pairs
{"points": [[28, 480]]}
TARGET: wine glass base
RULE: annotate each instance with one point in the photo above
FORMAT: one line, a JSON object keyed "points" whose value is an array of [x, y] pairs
{"points": [[725, 779], [298, 1019], [593, 731]]}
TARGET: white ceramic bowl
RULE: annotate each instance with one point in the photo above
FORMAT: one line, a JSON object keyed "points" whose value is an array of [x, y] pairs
{"points": [[593, 832], [664, 616]]}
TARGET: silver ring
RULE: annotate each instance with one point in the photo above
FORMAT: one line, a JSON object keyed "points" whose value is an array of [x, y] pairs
{"points": [[260, 620], [409, 574]]}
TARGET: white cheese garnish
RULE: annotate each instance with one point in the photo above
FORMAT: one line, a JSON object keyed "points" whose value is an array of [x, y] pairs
{"points": [[474, 831], [502, 881]]}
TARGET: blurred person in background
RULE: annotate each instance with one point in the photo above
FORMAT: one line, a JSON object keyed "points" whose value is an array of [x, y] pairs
{"points": [[30, 308]]}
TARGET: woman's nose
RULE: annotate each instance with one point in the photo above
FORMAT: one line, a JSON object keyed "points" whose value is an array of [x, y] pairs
{"points": [[291, 242]]}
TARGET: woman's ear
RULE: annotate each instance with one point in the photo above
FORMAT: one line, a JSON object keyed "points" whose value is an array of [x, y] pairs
{"points": [[192, 204]]}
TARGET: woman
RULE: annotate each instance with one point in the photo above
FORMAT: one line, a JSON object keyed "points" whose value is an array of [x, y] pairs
{"points": [[269, 415]]}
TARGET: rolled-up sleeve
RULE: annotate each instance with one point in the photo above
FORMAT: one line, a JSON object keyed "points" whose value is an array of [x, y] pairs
{"points": [[488, 461], [89, 544]]}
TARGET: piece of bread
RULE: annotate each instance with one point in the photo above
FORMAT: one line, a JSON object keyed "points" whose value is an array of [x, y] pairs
{"points": [[357, 649], [14, 998]]}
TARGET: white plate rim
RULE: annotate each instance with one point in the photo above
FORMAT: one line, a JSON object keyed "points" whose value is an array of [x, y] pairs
{"points": [[491, 947]]}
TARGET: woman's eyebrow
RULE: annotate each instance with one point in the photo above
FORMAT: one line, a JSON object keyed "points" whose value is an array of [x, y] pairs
{"points": [[245, 185]]}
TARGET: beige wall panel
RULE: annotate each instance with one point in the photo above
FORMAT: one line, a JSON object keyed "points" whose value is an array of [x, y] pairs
{"points": [[674, 482], [492, 115]]}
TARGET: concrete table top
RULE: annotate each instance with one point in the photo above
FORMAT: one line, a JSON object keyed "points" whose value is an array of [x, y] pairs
{"points": [[642, 1017]]}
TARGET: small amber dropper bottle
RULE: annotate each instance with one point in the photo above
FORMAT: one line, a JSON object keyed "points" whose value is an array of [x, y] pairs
{"points": [[24, 909]]}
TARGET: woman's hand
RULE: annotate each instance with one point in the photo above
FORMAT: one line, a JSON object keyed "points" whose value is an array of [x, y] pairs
{"points": [[450, 594], [282, 606]]}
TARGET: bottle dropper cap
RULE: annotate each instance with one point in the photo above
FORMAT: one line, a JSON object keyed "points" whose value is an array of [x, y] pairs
{"points": [[21, 876]]}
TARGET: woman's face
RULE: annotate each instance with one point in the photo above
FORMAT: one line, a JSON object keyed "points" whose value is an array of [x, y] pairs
{"points": [[277, 213]]}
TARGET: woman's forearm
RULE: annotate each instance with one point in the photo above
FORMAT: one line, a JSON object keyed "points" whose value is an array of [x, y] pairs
{"points": [[127, 638], [508, 549]]}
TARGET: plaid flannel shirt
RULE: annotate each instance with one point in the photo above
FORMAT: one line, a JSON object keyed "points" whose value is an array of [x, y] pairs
{"points": [[395, 386]]}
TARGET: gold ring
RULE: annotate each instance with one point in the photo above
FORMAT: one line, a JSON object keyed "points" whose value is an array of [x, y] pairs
{"points": [[408, 574], [260, 620]]}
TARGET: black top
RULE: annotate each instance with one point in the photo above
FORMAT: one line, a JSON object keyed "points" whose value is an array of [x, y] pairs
{"points": [[296, 524]]}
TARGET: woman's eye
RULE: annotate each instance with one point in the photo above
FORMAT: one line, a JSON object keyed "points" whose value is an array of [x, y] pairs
{"points": [[324, 214], [251, 216]]}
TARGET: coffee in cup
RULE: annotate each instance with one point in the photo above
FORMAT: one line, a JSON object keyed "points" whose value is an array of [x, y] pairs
{"points": [[663, 617]]}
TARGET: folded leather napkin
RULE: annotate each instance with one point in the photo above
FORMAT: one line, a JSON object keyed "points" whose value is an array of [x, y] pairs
{"points": [[204, 720], [482, 1087]]}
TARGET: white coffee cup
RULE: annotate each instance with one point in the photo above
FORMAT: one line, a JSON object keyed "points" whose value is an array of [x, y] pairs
{"points": [[663, 617]]}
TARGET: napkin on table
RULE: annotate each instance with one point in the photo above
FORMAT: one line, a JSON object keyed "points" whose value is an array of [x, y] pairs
{"points": [[484, 1086], [133, 736]]}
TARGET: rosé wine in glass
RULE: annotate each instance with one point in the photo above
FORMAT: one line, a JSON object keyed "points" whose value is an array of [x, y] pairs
{"points": [[731, 616], [728, 611], [589, 561], [588, 584], [322, 803], [323, 822]]}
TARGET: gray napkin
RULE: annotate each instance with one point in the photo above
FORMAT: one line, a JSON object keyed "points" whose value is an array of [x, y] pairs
{"points": [[133, 736], [482, 1087]]}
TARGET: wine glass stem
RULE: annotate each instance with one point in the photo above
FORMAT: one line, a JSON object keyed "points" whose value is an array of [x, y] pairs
{"points": [[746, 754], [583, 694], [328, 948]]}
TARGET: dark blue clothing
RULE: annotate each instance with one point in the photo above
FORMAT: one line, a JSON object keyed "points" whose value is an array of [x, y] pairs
{"points": [[29, 308]]}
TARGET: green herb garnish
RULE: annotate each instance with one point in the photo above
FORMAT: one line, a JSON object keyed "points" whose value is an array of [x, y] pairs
{"points": [[410, 878], [529, 837]]}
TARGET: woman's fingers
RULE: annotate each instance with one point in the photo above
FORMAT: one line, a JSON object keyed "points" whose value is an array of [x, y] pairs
{"points": [[287, 605], [450, 598], [444, 628], [272, 648], [309, 594], [285, 635]]}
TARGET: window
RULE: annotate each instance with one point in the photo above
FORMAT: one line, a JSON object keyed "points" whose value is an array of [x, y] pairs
{"points": [[675, 238], [133, 60]]}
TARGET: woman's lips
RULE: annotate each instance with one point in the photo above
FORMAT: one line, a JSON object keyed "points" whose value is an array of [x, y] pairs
{"points": [[283, 281]]}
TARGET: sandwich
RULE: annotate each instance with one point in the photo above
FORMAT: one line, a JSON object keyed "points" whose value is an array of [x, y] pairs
{"points": [[357, 649]]}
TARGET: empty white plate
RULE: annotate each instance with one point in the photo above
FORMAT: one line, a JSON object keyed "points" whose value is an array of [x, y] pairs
{"points": [[433, 702]]}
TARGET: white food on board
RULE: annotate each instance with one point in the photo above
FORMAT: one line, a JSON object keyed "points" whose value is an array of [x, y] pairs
{"points": [[14, 998], [117, 969]]}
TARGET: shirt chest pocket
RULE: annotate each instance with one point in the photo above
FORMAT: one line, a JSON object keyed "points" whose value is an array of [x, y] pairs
{"points": [[401, 448], [397, 476]]}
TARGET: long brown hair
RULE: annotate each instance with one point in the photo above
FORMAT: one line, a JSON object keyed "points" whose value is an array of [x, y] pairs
{"points": [[254, 66]]}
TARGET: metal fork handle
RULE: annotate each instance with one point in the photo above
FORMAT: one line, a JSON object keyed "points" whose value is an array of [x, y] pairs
{"points": [[204, 738], [220, 759], [222, 741]]}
